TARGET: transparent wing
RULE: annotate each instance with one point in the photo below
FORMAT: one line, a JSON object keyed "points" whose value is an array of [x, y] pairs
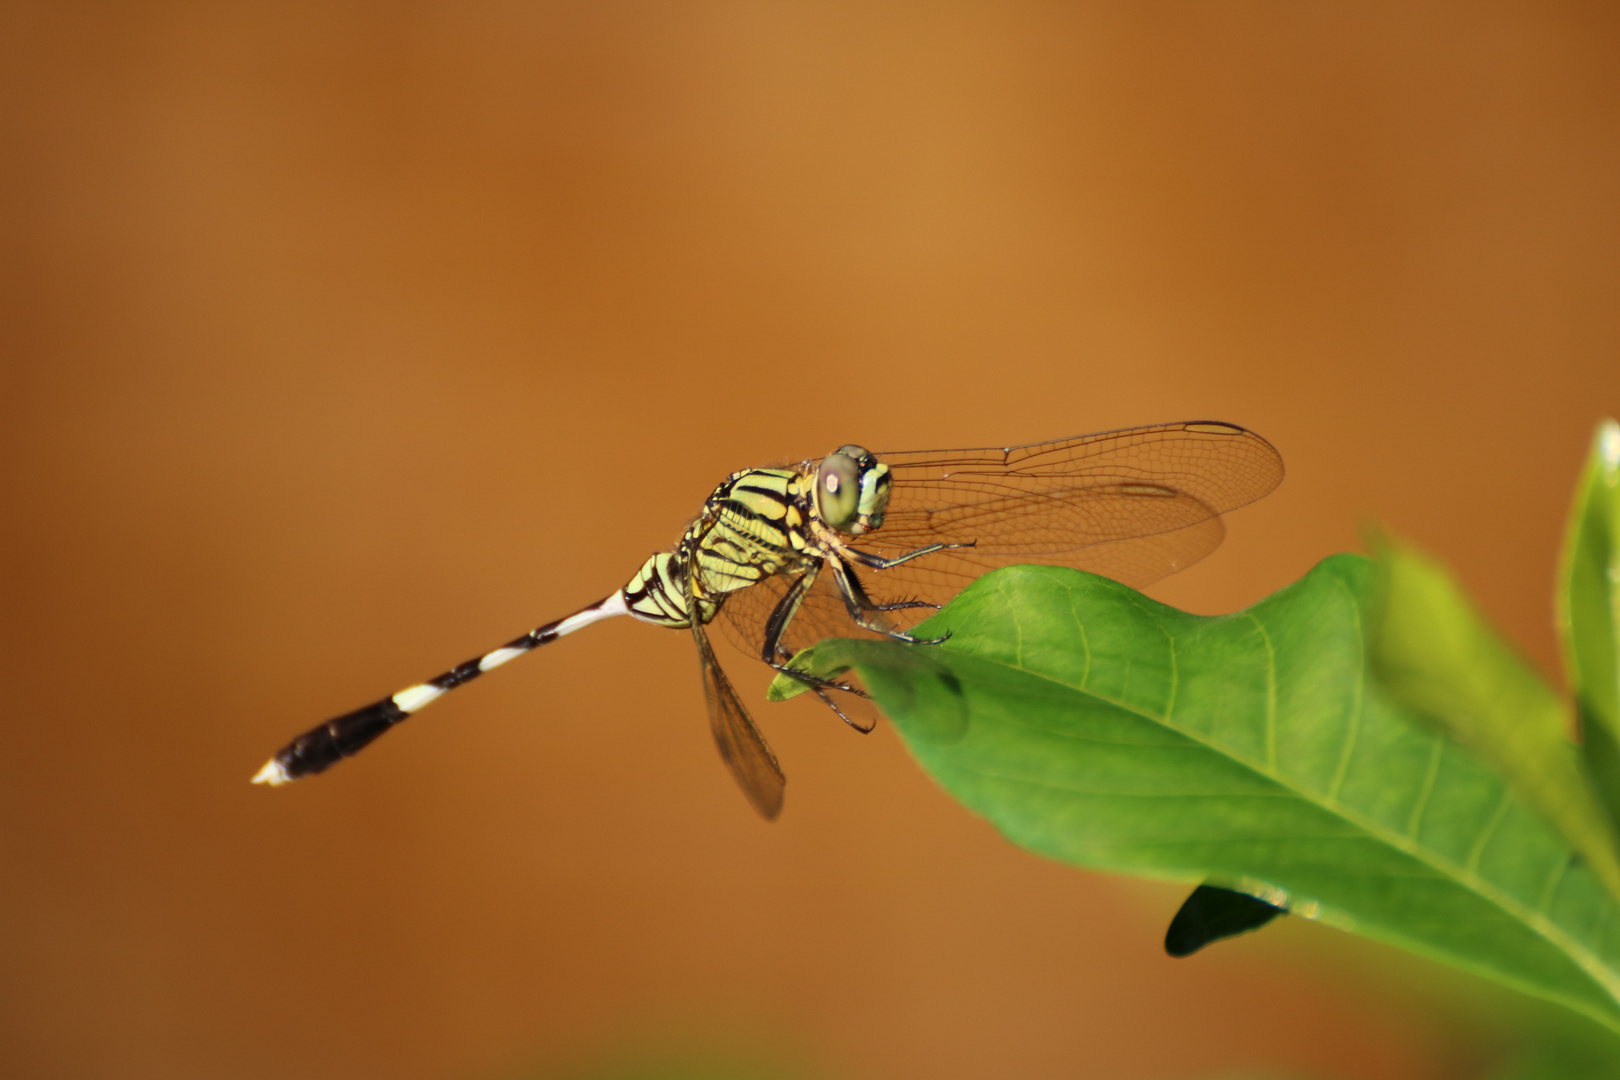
{"points": [[742, 747], [1136, 504]]}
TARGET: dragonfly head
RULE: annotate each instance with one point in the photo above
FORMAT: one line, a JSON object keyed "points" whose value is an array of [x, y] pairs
{"points": [[852, 490]]}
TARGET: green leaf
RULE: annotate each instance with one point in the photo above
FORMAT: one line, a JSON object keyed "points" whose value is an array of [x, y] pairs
{"points": [[1093, 725], [1437, 655], [1589, 607]]}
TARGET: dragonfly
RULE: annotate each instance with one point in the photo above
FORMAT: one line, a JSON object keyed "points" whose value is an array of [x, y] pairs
{"points": [[858, 544]]}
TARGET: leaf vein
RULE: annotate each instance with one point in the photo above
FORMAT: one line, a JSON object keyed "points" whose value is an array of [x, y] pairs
{"points": [[1414, 821], [1554, 880], [1353, 729], [1271, 695], [1477, 852]]}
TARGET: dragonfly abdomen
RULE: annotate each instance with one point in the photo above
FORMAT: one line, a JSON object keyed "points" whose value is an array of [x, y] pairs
{"points": [[344, 736], [657, 594]]}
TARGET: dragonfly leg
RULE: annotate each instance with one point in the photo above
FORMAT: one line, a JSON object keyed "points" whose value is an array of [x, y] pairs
{"points": [[817, 682], [907, 605], [860, 605], [783, 613], [773, 652], [827, 700], [877, 562]]}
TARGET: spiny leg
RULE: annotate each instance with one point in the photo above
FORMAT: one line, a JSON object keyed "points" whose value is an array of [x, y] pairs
{"points": [[860, 604], [877, 562], [906, 605], [344, 736], [772, 651], [783, 613], [827, 700]]}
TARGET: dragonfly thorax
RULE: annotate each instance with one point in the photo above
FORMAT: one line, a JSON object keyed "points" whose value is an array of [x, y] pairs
{"points": [[757, 524]]}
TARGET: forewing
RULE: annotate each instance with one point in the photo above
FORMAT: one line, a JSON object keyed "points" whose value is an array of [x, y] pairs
{"points": [[1136, 504]]}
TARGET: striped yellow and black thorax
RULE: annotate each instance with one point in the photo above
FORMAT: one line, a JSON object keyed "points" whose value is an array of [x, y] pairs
{"points": [[756, 524]]}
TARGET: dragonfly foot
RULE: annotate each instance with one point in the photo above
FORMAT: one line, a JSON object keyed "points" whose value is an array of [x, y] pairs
{"points": [[817, 683], [864, 729], [908, 605]]}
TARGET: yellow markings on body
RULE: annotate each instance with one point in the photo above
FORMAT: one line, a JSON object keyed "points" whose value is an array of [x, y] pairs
{"points": [[730, 579], [795, 528]]}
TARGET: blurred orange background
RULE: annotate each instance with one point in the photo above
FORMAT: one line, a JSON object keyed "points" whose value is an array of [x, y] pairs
{"points": [[344, 340]]}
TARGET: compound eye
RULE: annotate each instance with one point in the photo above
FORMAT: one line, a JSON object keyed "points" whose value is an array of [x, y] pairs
{"points": [[838, 490]]}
